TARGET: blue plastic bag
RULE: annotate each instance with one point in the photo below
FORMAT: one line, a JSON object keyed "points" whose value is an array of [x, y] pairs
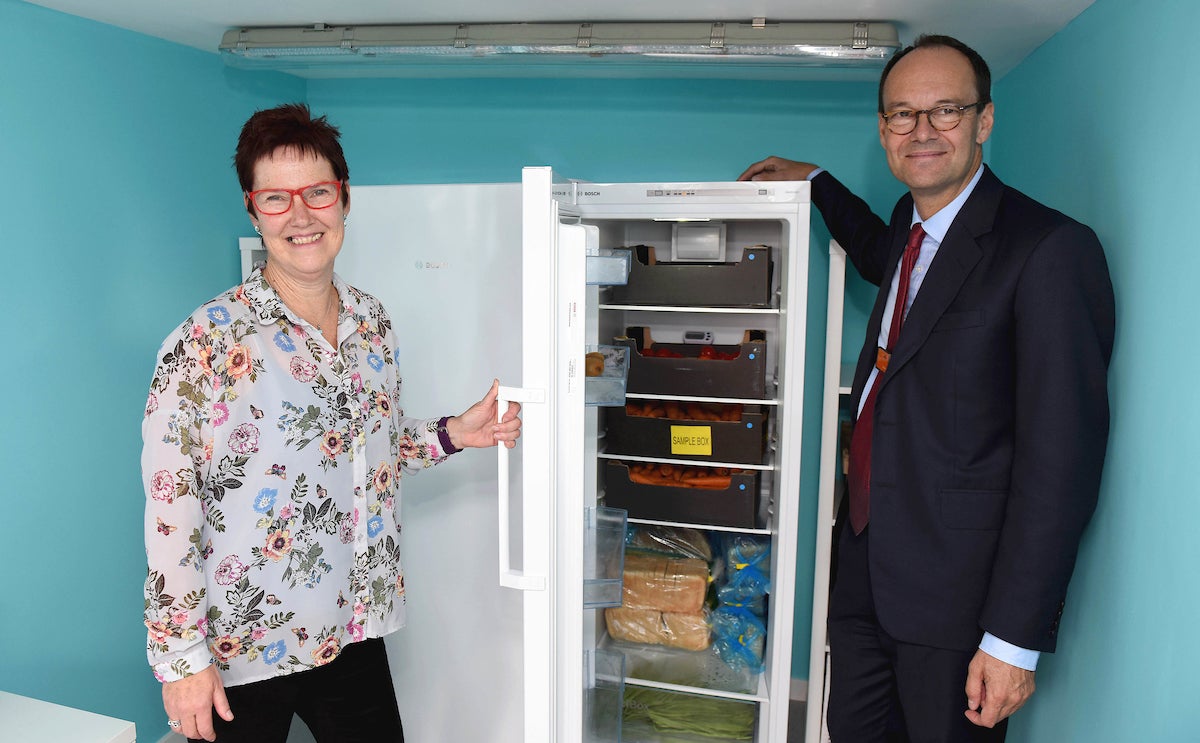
{"points": [[739, 638]]}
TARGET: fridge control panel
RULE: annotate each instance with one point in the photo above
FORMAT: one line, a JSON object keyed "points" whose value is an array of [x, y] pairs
{"points": [[662, 193]]}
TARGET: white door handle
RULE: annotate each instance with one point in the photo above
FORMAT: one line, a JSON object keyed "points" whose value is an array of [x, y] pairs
{"points": [[510, 578]]}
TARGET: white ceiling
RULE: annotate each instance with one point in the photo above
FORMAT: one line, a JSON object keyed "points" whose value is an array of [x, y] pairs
{"points": [[1003, 31]]}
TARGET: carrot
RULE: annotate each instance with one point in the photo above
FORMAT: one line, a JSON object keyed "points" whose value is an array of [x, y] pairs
{"points": [[714, 482], [643, 479]]}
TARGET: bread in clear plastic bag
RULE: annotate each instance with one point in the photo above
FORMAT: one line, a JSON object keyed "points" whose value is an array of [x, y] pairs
{"points": [[685, 630], [671, 584], [677, 541]]}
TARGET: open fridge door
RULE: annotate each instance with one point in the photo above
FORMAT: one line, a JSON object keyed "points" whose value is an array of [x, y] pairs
{"points": [[571, 694]]}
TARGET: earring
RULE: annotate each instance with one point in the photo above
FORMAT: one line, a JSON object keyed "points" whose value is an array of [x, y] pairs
{"points": [[258, 230], [345, 220]]}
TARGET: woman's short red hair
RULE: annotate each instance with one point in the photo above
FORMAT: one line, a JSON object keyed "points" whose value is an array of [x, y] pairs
{"points": [[290, 126]]}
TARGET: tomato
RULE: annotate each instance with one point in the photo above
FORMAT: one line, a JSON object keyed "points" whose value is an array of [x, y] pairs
{"points": [[661, 352], [708, 352]]}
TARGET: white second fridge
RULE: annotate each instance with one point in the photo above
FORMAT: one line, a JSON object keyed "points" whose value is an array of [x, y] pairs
{"points": [[511, 557]]}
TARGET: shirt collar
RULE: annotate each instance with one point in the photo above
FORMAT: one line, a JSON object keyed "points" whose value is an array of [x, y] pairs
{"points": [[939, 223], [266, 305]]}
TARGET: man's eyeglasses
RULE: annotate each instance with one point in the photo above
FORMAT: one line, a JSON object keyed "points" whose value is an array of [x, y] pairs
{"points": [[279, 200], [942, 118]]}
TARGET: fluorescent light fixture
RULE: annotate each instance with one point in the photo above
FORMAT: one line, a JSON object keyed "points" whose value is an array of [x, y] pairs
{"points": [[810, 44]]}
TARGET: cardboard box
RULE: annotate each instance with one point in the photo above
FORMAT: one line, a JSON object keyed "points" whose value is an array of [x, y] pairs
{"points": [[691, 376], [742, 441], [736, 506], [746, 283]]}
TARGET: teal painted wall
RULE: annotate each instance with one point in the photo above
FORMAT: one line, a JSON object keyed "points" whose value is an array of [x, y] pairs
{"points": [[1100, 122], [118, 222], [121, 124]]}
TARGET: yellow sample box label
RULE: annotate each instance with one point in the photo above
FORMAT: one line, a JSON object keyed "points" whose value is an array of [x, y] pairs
{"points": [[695, 440]]}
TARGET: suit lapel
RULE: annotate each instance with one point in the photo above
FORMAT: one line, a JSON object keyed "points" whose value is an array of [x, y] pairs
{"points": [[957, 256]]}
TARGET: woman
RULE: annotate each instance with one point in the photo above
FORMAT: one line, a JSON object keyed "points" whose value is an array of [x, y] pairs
{"points": [[273, 447]]}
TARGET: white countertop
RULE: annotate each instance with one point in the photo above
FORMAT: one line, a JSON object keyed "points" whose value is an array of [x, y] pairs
{"points": [[25, 720]]}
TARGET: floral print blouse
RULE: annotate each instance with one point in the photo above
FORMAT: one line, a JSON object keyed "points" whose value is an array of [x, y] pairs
{"points": [[271, 464]]}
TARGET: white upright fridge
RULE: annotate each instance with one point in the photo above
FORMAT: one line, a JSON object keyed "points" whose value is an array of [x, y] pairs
{"points": [[511, 557]]}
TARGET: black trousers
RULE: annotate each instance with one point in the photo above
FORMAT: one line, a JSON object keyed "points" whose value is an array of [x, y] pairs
{"points": [[351, 700], [882, 689]]}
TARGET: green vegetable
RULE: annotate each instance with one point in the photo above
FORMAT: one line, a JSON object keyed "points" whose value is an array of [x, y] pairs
{"points": [[707, 717]]}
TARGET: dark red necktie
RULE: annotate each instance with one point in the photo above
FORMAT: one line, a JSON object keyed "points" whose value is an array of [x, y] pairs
{"points": [[858, 480]]}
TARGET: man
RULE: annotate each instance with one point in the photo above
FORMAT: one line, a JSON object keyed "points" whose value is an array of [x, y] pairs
{"points": [[982, 418]]}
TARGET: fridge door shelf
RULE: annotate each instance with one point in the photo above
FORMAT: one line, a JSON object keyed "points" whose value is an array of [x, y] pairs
{"points": [[603, 696], [604, 556], [608, 268], [605, 385]]}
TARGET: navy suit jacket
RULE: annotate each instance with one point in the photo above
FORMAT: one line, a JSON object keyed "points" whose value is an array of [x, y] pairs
{"points": [[992, 419]]}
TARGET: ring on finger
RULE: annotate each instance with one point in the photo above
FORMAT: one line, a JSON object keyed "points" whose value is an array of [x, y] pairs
{"points": [[174, 724]]}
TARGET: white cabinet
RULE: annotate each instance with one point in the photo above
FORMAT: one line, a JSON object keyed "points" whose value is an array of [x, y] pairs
{"points": [[831, 485], [34, 721]]}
